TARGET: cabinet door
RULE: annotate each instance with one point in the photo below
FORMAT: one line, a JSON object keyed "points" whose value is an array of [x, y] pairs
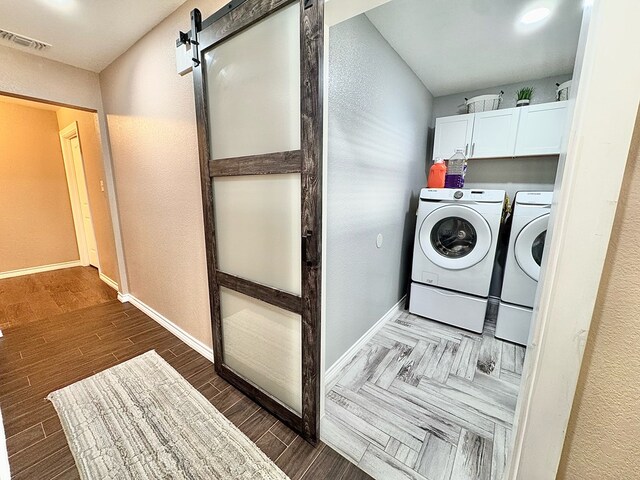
{"points": [[541, 129], [452, 133], [494, 133]]}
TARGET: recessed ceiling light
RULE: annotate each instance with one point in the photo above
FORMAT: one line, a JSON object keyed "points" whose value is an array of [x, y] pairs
{"points": [[61, 5], [534, 16]]}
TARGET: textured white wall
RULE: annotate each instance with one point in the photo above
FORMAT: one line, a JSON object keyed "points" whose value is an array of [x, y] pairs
{"points": [[379, 114], [39, 77], [604, 430], [36, 219], [152, 126]]}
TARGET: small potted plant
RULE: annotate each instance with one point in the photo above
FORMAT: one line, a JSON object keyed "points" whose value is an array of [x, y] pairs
{"points": [[524, 96]]}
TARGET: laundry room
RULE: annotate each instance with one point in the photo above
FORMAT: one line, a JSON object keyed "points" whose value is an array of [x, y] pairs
{"points": [[429, 292]]}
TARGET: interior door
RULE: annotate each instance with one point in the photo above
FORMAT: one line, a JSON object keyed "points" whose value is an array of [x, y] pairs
{"points": [[257, 71], [87, 221]]}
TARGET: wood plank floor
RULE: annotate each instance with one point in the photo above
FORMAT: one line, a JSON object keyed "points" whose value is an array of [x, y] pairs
{"points": [[427, 401], [37, 357], [30, 298]]}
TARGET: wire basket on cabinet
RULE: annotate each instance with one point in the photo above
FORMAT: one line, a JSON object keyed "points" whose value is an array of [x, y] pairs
{"points": [[483, 103], [563, 90]]}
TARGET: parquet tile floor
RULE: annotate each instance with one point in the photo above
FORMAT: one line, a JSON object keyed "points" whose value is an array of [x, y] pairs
{"points": [[40, 353], [425, 400]]}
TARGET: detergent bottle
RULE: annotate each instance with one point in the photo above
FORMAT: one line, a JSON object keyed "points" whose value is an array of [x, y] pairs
{"points": [[437, 173], [456, 170]]}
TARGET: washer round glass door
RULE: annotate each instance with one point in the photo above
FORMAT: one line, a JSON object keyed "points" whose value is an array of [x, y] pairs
{"points": [[529, 246], [455, 237]]}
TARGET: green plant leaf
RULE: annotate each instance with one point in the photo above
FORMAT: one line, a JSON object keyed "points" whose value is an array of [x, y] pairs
{"points": [[525, 93]]}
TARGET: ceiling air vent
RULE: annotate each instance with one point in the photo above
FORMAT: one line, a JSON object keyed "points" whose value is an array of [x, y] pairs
{"points": [[22, 40]]}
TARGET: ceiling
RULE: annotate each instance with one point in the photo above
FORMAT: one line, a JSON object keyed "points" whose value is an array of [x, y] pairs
{"points": [[465, 45], [89, 34]]}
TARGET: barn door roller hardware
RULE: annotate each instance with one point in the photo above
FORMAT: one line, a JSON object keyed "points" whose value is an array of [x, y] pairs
{"points": [[197, 25], [191, 37]]}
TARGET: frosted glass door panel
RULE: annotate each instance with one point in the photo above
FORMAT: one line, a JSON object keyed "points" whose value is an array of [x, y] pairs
{"points": [[258, 228], [253, 84], [262, 343]]}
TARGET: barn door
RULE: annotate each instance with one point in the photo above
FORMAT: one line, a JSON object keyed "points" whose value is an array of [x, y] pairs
{"points": [[257, 73]]}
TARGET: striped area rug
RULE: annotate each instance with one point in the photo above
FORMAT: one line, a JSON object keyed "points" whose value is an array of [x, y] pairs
{"points": [[142, 420]]}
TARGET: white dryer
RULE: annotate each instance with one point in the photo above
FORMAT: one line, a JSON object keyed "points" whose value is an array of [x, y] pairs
{"points": [[522, 269], [453, 256]]}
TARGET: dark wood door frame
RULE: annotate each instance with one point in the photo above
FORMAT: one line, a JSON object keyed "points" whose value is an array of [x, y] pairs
{"points": [[307, 161]]}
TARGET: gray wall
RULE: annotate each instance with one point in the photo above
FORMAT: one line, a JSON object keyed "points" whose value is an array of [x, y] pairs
{"points": [[379, 113], [512, 174], [544, 92]]}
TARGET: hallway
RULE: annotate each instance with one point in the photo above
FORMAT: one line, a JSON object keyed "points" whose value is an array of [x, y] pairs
{"points": [[32, 298], [67, 325]]}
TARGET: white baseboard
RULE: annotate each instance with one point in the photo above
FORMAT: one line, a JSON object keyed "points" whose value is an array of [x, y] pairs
{"points": [[333, 373], [42, 268], [112, 283], [197, 345]]}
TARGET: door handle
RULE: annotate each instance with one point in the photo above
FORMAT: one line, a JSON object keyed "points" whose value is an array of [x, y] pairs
{"points": [[309, 248], [473, 148], [466, 149]]}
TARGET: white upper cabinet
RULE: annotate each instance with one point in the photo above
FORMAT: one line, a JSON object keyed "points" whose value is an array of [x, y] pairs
{"points": [[511, 132], [494, 133], [453, 133], [541, 129]]}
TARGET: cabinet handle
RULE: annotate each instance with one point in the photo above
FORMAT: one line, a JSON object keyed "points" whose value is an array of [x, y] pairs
{"points": [[473, 148], [466, 149]]}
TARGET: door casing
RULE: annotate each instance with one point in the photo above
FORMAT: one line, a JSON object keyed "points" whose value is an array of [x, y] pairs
{"points": [[74, 184], [569, 285]]}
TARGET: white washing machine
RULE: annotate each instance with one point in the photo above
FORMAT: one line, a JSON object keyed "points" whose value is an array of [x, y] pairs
{"points": [[522, 269], [453, 256]]}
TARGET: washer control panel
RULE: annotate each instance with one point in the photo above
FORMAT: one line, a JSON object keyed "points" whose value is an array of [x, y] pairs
{"points": [[461, 194]]}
